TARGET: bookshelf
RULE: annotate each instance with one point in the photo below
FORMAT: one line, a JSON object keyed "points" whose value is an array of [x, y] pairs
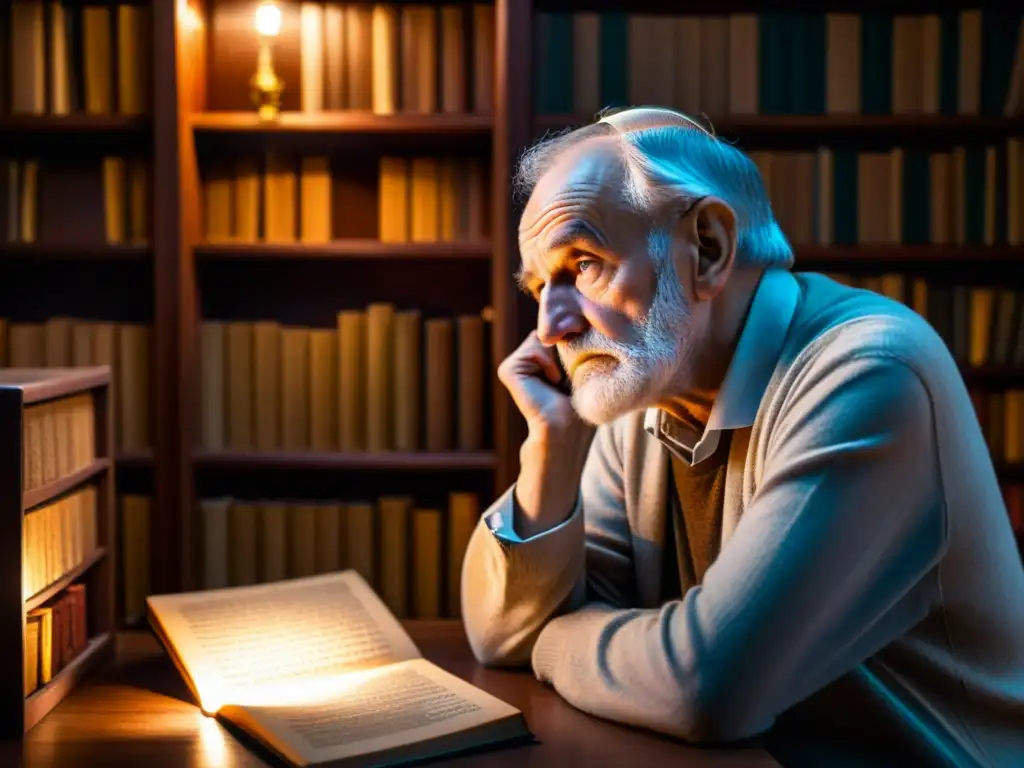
{"points": [[59, 535], [80, 236], [200, 127]]}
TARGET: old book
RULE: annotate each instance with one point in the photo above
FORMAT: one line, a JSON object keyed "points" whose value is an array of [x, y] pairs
{"points": [[360, 538], [426, 563], [394, 513], [380, 357], [453, 60], [294, 399], [212, 392], [311, 33], [275, 541], [319, 671], [97, 53], [302, 536], [438, 399], [385, 59], [133, 352], [132, 69], [359, 50], [323, 389]]}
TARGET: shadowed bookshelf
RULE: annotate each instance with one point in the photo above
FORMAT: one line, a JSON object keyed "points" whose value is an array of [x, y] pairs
{"points": [[13, 125], [59, 535], [80, 239], [337, 295]]}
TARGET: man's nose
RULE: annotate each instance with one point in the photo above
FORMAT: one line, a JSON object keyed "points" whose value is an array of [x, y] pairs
{"points": [[559, 315]]}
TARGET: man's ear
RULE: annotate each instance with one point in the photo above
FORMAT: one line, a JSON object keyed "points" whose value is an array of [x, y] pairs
{"points": [[712, 228]]}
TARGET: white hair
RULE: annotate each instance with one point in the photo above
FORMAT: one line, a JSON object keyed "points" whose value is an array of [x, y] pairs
{"points": [[669, 156]]}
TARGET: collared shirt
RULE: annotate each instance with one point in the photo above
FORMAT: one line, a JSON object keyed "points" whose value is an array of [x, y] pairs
{"points": [[745, 382], [737, 401]]}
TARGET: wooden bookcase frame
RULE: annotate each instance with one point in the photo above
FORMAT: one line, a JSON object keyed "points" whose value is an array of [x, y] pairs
{"points": [[19, 389]]}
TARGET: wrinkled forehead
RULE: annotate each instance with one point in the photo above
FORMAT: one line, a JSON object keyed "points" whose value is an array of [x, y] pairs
{"points": [[584, 177]]}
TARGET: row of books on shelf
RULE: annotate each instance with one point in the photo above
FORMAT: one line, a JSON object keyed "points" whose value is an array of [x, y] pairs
{"points": [[967, 195], [58, 439], [983, 325], [410, 552], [82, 203], [388, 58], [57, 537], [1001, 416], [383, 379], [286, 199], [778, 62], [61, 342], [68, 57], [56, 633]]}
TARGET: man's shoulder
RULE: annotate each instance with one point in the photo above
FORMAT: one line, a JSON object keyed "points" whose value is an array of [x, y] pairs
{"points": [[834, 322]]}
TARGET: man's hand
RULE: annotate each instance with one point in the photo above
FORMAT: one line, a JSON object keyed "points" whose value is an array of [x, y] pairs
{"points": [[552, 457]]}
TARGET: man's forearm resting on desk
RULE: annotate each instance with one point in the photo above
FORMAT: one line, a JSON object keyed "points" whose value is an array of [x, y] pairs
{"points": [[819, 575]]}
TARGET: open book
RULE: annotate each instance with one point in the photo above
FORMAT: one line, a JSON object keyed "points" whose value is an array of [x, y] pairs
{"points": [[320, 672]]}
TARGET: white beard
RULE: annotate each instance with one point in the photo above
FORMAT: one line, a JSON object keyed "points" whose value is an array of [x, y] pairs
{"points": [[641, 373]]}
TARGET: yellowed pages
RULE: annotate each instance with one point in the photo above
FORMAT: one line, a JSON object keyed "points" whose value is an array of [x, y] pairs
{"points": [[394, 713], [244, 644]]}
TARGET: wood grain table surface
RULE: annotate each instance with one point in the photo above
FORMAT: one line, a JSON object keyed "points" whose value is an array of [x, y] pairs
{"points": [[137, 712]]}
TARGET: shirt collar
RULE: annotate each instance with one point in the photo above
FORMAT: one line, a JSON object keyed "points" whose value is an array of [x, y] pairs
{"points": [[756, 356]]}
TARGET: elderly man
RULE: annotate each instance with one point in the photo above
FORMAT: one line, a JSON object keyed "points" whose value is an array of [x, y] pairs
{"points": [[766, 509]]}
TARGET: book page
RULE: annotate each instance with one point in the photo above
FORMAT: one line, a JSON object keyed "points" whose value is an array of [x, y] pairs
{"points": [[240, 642], [407, 707]]}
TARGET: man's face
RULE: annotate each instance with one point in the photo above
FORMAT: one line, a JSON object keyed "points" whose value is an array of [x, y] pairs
{"points": [[607, 287]]}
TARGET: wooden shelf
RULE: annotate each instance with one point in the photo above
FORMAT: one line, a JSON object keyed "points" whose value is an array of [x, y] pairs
{"points": [[801, 129], [808, 256], [384, 461], [73, 124], [50, 695], [50, 491], [344, 249], [67, 579], [1010, 472], [38, 384], [74, 251], [135, 459], [994, 376], [345, 122]]}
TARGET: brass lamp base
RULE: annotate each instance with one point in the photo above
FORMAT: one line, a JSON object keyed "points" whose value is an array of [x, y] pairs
{"points": [[266, 87]]}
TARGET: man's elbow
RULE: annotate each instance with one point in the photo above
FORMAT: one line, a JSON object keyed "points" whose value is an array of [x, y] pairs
{"points": [[494, 647], [713, 718]]}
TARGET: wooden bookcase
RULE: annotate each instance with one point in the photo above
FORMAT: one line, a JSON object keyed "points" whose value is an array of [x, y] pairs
{"points": [[200, 110], [19, 390]]}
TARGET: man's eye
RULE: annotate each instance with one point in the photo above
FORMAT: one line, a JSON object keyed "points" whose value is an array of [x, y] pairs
{"points": [[584, 264]]}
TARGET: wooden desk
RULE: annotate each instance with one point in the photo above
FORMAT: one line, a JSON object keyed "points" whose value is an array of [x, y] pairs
{"points": [[137, 713]]}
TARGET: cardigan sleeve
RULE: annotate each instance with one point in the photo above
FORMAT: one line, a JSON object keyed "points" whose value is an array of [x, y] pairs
{"points": [[510, 588], [826, 566]]}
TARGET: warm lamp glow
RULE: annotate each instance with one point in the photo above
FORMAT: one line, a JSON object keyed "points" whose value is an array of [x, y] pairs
{"points": [[268, 19], [265, 85]]}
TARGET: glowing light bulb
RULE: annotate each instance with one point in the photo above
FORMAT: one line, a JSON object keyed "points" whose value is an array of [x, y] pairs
{"points": [[268, 19]]}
